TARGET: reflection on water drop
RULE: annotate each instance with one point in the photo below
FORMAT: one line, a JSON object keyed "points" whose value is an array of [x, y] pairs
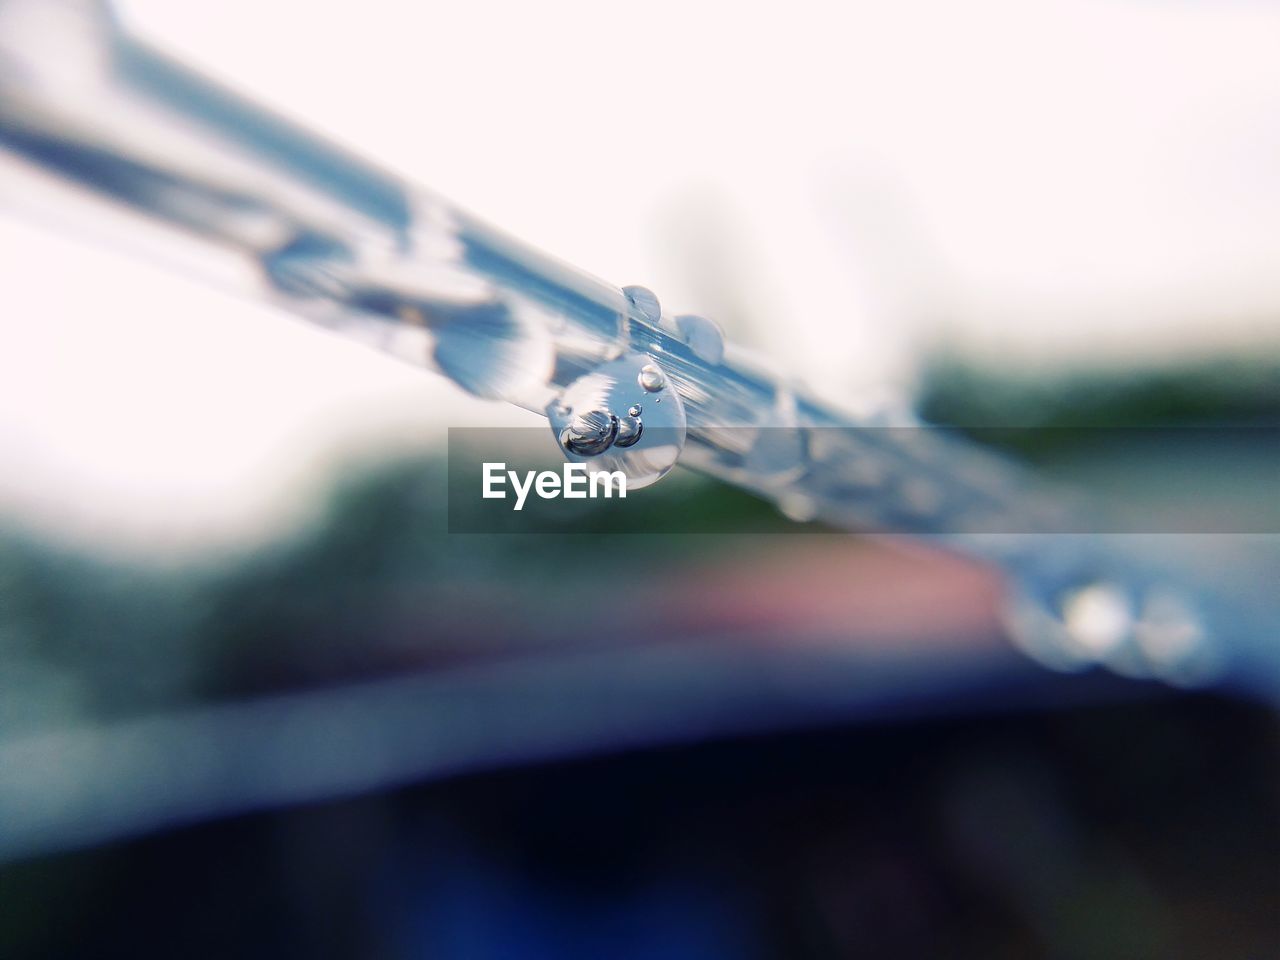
{"points": [[704, 337], [596, 419], [590, 434], [652, 378], [629, 430], [1098, 618]]}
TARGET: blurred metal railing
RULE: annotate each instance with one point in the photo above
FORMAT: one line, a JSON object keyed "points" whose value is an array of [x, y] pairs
{"points": [[88, 115]]}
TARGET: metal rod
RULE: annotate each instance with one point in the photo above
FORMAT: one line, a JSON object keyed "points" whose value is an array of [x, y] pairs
{"points": [[88, 114]]}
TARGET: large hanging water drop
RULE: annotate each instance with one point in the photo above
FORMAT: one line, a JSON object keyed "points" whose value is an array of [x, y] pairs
{"points": [[598, 420]]}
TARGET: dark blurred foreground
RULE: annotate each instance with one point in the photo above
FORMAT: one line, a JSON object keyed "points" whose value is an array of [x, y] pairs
{"points": [[1142, 830], [379, 740]]}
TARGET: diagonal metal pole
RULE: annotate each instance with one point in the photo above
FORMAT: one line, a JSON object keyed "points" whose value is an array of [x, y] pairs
{"points": [[96, 124]]}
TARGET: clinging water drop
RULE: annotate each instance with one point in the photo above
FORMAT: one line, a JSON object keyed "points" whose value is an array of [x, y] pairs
{"points": [[597, 421], [645, 302], [704, 337]]}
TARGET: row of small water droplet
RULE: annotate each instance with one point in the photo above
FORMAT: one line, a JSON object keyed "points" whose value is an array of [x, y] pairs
{"points": [[1152, 633]]}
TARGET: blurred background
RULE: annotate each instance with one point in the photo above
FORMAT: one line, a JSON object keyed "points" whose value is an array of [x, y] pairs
{"points": [[256, 701]]}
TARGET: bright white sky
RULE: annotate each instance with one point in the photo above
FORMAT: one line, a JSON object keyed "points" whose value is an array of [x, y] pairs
{"points": [[1094, 181]]}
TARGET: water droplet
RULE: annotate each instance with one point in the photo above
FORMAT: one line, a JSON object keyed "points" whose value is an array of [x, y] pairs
{"points": [[644, 452], [651, 378], [776, 456], [1035, 627], [590, 434], [866, 472], [629, 430], [1172, 638], [798, 506], [1071, 621], [920, 497], [645, 302], [778, 448], [704, 337], [634, 410], [1098, 618]]}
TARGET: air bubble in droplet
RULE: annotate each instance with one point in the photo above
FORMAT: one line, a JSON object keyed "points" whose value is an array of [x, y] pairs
{"points": [[590, 434], [651, 378], [634, 410], [643, 451], [629, 430], [704, 337], [645, 301]]}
